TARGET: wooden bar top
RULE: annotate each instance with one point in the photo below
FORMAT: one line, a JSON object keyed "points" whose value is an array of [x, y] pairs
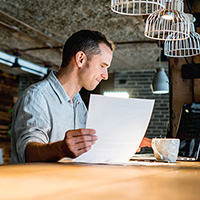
{"points": [[75, 181]]}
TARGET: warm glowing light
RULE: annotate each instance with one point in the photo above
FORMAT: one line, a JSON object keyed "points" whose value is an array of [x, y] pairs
{"points": [[168, 17], [116, 94]]}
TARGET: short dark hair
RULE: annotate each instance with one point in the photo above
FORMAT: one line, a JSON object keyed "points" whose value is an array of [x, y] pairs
{"points": [[84, 40]]}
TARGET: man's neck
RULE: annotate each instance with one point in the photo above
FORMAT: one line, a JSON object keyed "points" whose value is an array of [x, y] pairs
{"points": [[68, 80]]}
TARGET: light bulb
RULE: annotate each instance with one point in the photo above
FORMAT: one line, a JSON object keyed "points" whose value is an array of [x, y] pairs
{"points": [[168, 16]]}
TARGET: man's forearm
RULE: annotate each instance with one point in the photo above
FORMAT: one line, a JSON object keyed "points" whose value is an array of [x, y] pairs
{"points": [[75, 143], [39, 152]]}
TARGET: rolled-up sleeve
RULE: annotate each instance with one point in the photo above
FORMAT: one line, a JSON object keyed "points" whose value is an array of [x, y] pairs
{"points": [[31, 122], [44, 113]]}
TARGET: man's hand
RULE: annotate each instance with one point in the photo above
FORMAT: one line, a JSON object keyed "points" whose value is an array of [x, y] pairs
{"points": [[76, 142], [146, 142], [79, 141]]}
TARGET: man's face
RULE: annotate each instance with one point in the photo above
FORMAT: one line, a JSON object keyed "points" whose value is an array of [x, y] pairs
{"points": [[96, 69]]}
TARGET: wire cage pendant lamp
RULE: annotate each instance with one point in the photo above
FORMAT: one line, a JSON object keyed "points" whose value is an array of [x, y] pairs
{"points": [[171, 19], [183, 48], [136, 7]]}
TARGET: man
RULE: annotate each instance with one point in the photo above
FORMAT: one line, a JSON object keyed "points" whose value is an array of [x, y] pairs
{"points": [[49, 118]]}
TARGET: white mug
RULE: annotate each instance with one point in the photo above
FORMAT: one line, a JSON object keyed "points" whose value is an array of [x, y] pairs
{"points": [[165, 149]]}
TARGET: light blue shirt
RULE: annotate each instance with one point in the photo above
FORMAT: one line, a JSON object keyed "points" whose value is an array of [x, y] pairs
{"points": [[43, 114]]}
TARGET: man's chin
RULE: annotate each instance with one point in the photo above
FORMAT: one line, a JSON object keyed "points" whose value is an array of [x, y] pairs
{"points": [[90, 88]]}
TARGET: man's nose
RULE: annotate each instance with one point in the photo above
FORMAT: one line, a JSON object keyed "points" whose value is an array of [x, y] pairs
{"points": [[105, 74]]}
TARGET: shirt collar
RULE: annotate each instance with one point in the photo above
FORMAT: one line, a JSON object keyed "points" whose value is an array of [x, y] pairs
{"points": [[77, 98], [59, 90]]}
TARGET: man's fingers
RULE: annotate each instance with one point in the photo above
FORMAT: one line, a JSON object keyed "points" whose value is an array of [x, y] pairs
{"points": [[138, 150], [80, 132], [146, 142], [80, 141], [81, 151], [82, 145], [81, 148]]}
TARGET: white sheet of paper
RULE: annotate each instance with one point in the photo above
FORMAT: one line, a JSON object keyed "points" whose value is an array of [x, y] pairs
{"points": [[120, 125]]}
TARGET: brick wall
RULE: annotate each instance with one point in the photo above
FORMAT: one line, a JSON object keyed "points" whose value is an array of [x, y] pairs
{"points": [[137, 84], [27, 80], [8, 96], [10, 88]]}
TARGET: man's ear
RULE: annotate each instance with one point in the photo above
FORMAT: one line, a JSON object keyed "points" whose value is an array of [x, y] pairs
{"points": [[80, 58]]}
